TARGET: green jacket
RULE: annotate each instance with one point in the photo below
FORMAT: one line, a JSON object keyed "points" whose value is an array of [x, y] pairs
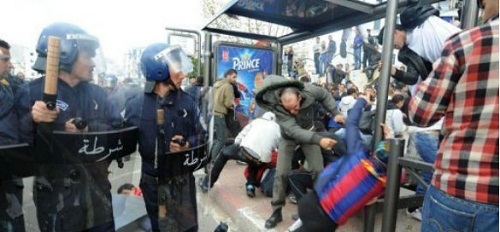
{"points": [[297, 127], [223, 97]]}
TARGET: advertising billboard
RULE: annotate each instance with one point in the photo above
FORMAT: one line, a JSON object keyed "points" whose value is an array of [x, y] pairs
{"points": [[253, 65]]}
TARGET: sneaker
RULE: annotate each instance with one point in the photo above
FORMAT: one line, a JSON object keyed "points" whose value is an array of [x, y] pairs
{"points": [[203, 183], [296, 225], [417, 214], [250, 191]]}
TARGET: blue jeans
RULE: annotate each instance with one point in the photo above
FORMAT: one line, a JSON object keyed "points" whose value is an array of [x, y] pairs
{"points": [[366, 139], [220, 136], [443, 212], [427, 147], [357, 58], [354, 139]]}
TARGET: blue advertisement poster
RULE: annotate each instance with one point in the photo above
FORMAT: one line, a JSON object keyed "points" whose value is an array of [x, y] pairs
{"points": [[253, 65]]}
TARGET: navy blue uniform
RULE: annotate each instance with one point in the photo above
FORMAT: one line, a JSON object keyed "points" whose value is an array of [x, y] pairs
{"points": [[71, 197], [11, 190], [8, 118], [181, 118]]}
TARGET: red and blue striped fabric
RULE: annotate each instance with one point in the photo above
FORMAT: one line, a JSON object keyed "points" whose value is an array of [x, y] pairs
{"points": [[345, 186]]}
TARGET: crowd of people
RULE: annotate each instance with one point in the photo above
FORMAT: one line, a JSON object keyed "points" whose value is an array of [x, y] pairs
{"points": [[421, 103], [365, 54]]}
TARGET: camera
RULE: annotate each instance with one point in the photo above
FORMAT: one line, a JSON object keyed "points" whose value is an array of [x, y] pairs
{"points": [[181, 141]]}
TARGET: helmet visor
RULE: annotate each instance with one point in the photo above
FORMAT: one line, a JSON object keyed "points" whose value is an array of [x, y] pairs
{"points": [[176, 59], [89, 45], [82, 42]]}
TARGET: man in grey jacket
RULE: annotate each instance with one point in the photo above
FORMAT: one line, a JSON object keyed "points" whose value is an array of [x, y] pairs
{"points": [[293, 104]]}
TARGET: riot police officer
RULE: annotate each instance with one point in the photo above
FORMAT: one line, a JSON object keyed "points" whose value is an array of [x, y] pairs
{"points": [[68, 195], [111, 83], [11, 187], [164, 68]]}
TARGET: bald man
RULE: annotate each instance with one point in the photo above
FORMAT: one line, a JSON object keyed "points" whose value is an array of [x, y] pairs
{"points": [[294, 102]]}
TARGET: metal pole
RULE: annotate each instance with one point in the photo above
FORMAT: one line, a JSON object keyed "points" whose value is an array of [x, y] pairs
{"points": [[469, 14], [279, 58], [382, 92], [390, 212], [207, 57], [369, 220]]}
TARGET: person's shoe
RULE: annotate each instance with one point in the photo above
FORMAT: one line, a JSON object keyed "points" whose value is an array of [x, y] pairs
{"points": [[203, 183], [417, 214], [275, 218], [222, 227], [295, 226], [293, 199], [250, 191]]}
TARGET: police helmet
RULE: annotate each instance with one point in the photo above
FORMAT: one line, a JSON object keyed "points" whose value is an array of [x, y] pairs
{"points": [[72, 39], [110, 81], [159, 60]]}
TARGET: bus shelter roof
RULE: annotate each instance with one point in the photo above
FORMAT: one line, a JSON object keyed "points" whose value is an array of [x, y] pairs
{"points": [[290, 21]]}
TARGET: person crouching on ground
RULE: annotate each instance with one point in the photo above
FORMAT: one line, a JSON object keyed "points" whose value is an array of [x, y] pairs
{"points": [[253, 145]]}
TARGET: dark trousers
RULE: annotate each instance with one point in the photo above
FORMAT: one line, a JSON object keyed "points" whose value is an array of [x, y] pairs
{"points": [[290, 67], [11, 202], [312, 215], [234, 152], [220, 136], [369, 71], [81, 202], [149, 187], [366, 58], [316, 63], [299, 182], [186, 220], [108, 226]]}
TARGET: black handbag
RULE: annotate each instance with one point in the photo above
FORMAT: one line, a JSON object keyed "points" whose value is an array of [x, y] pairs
{"points": [[367, 122]]}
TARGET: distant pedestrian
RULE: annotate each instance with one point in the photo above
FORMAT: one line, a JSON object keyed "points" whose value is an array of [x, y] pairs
{"points": [[289, 55]]}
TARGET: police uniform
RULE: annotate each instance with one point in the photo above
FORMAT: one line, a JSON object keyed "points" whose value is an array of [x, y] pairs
{"points": [[76, 196], [11, 189], [181, 116]]}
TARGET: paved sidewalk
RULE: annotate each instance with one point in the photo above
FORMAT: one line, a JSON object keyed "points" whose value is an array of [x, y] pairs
{"points": [[249, 214]]}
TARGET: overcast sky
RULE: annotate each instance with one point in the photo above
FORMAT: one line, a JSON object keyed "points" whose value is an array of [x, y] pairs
{"points": [[119, 24]]}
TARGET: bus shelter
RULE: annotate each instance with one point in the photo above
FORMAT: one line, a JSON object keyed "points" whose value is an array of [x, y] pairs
{"points": [[295, 21]]}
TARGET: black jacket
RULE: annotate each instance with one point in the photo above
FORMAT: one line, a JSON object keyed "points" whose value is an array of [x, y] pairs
{"points": [[415, 66]]}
